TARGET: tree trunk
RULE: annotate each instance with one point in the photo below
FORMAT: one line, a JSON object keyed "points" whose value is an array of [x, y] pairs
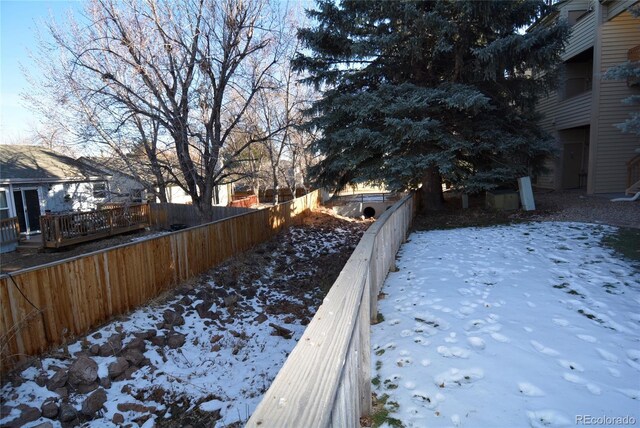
{"points": [[431, 191]]}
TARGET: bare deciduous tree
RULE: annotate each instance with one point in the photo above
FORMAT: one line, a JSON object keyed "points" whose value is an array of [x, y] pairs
{"points": [[181, 73]]}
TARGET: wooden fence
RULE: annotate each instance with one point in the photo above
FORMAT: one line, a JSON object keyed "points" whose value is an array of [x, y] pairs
{"points": [[59, 230], [247, 201], [43, 304], [9, 230], [326, 381], [164, 215]]}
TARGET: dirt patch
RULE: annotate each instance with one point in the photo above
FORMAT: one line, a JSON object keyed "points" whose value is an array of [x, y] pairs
{"points": [[569, 205]]}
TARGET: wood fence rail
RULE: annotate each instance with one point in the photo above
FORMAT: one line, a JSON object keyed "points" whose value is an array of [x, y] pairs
{"points": [[40, 305], [164, 215], [326, 381], [59, 230], [9, 230]]}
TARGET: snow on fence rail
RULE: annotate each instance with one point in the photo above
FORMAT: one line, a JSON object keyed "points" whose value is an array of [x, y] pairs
{"points": [[50, 304], [326, 381]]}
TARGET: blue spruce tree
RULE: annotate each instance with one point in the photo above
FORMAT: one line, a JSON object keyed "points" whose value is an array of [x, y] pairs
{"points": [[417, 93]]}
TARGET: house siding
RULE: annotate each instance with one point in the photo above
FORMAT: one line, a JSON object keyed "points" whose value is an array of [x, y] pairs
{"points": [[618, 7], [582, 36], [614, 148]]}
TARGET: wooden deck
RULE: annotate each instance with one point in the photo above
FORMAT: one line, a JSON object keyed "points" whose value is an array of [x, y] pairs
{"points": [[9, 230], [59, 230]]}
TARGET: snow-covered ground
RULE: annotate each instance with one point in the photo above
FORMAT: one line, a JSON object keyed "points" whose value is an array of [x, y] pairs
{"points": [[513, 326], [206, 354]]}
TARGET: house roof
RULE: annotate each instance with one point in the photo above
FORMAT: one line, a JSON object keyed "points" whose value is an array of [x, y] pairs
{"points": [[32, 164]]}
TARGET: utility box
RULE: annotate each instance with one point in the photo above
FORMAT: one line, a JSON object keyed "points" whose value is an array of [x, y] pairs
{"points": [[502, 200]]}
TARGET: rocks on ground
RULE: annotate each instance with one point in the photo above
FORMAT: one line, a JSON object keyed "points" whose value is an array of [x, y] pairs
{"points": [[297, 275]]}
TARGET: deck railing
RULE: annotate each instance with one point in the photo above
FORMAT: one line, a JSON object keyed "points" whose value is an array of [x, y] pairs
{"points": [[9, 230], [59, 230], [326, 381]]}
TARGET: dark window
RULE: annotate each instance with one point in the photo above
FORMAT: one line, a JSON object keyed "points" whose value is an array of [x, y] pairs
{"points": [[100, 190]]}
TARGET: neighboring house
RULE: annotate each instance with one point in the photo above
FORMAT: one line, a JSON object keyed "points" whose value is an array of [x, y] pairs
{"points": [[34, 180], [124, 187], [593, 153]]}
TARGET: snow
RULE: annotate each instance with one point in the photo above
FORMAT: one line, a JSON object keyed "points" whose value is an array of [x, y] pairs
{"points": [[230, 378], [512, 326]]}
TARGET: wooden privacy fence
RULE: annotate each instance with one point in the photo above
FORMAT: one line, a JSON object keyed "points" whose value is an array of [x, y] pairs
{"points": [[43, 304], [164, 215], [59, 230], [326, 381]]}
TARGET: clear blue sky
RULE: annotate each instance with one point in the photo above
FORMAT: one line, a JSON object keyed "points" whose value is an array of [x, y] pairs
{"points": [[19, 23]]}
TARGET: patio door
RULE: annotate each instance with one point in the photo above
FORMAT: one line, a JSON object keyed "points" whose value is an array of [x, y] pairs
{"points": [[28, 209]]}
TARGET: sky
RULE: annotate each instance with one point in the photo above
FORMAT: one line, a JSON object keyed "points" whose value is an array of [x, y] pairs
{"points": [[19, 23]]}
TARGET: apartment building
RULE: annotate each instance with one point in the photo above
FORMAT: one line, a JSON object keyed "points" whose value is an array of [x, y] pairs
{"points": [[582, 113]]}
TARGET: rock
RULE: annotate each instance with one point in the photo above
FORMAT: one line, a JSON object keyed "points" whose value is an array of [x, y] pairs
{"points": [[137, 343], [203, 309], [105, 382], [58, 380], [44, 425], [94, 350], [82, 353], [216, 338], [5, 410], [134, 407], [49, 409], [133, 356], [85, 389], [261, 318], [117, 419], [230, 300], [159, 340], [112, 346], [172, 318], [186, 301], [94, 403], [178, 308], [146, 335], [118, 367], [83, 371], [68, 413], [216, 348], [41, 380], [176, 340], [63, 392], [27, 414], [97, 336], [128, 373]]}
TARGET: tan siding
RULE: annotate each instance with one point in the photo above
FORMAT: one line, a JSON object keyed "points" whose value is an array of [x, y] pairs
{"points": [[548, 108], [574, 111], [619, 7], [615, 148], [582, 37]]}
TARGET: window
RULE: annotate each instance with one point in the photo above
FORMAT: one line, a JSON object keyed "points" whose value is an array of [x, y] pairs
{"points": [[136, 195], [100, 190], [4, 205]]}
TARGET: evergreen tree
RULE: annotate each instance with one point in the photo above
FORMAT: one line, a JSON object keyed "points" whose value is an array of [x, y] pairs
{"points": [[417, 92]]}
